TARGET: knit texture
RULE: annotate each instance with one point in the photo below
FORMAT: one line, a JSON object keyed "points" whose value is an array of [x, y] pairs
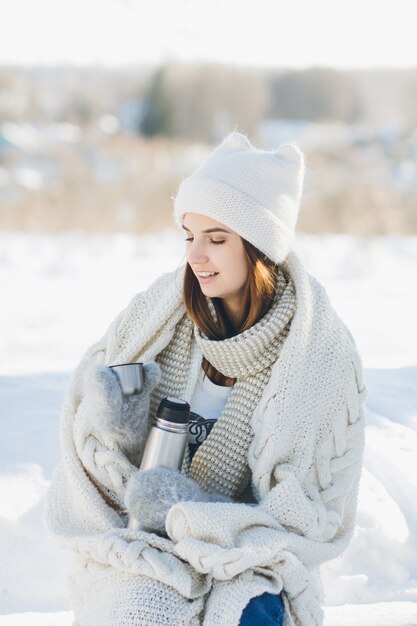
{"points": [[255, 192], [305, 459], [220, 464]]}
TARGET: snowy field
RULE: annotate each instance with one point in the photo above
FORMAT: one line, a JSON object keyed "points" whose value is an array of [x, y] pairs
{"points": [[59, 294]]}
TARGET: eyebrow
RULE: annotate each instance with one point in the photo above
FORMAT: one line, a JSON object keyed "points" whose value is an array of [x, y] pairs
{"points": [[209, 230]]}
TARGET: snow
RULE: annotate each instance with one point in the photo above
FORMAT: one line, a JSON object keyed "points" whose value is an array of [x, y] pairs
{"points": [[59, 294]]}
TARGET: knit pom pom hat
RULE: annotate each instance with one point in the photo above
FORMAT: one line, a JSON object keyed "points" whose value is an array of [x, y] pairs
{"points": [[254, 192]]}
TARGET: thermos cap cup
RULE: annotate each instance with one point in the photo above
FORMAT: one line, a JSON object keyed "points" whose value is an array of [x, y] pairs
{"points": [[131, 377], [174, 410]]}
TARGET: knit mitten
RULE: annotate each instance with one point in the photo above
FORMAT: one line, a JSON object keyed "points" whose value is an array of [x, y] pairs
{"points": [[151, 493], [123, 419]]}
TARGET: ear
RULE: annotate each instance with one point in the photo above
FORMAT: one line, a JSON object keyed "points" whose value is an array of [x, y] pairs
{"points": [[290, 152], [235, 141]]}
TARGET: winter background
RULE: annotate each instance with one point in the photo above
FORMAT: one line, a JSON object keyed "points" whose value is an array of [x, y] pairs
{"points": [[105, 106]]}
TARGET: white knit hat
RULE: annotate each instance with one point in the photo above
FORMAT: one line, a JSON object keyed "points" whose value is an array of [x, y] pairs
{"points": [[254, 192]]}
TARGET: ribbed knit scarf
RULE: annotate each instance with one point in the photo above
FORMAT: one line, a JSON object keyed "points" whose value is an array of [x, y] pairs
{"points": [[220, 463]]}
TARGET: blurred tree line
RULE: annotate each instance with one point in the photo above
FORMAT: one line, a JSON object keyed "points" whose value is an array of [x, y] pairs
{"points": [[188, 104], [202, 101], [199, 103], [105, 149]]}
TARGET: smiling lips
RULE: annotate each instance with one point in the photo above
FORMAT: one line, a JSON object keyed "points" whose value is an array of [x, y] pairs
{"points": [[206, 279]]}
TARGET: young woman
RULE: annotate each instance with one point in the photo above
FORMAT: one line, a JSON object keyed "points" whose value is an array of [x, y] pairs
{"points": [[268, 488]]}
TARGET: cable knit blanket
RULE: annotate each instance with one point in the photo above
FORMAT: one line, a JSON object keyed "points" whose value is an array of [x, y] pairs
{"points": [[305, 458]]}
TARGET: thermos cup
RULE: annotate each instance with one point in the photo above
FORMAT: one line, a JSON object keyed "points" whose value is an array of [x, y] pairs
{"points": [[130, 376]]}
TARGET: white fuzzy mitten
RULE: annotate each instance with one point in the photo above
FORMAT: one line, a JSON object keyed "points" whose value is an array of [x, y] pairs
{"points": [[123, 418], [151, 493], [110, 429]]}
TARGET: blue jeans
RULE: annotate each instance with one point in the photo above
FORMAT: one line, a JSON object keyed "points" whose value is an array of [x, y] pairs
{"points": [[267, 609]]}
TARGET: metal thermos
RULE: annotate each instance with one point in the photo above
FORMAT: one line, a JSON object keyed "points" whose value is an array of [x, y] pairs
{"points": [[167, 440]]}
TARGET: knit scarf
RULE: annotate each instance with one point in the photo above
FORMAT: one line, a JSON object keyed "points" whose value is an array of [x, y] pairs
{"points": [[220, 463]]}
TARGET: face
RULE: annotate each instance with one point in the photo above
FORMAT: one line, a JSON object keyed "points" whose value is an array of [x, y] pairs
{"points": [[220, 251]]}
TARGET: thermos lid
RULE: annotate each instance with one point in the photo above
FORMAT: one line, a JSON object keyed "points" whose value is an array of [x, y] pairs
{"points": [[174, 410]]}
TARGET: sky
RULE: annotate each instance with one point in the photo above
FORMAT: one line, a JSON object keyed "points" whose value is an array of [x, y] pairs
{"points": [[268, 33]]}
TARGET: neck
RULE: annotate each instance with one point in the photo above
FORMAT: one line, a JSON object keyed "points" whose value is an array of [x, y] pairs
{"points": [[232, 312]]}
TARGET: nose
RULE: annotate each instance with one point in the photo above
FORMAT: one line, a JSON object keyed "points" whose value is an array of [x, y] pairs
{"points": [[196, 254]]}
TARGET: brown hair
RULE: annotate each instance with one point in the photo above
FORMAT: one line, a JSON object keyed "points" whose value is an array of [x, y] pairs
{"points": [[258, 295]]}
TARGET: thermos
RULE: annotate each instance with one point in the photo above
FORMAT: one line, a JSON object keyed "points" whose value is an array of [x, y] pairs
{"points": [[167, 440], [168, 437]]}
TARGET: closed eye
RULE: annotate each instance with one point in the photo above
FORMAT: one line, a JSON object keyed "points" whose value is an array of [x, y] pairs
{"points": [[211, 240]]}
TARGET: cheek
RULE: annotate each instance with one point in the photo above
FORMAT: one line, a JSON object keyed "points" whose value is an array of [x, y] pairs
{"points": [[236, 262]]}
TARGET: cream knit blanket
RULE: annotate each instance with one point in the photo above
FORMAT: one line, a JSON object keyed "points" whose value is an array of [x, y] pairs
{"points": [[305, 458]]}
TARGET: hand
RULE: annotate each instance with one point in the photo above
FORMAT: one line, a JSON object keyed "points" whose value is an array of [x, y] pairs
{"points": [[124, 418], [151, 493]]}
